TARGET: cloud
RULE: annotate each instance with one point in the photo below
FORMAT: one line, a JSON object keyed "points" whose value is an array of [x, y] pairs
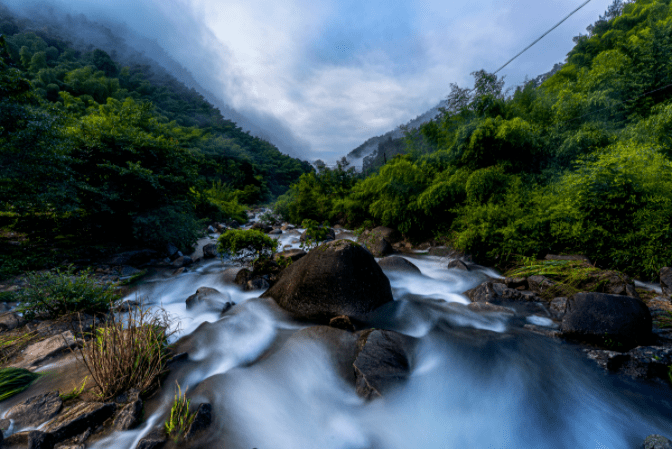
{"points": [[323, 76]]}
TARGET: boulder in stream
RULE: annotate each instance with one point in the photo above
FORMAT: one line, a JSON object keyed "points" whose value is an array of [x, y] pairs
{"points": [[666, 280], [336, 278], [35, 410], [617, 321], [656, 442], [396, 263], [209, 298], [379, 240]]}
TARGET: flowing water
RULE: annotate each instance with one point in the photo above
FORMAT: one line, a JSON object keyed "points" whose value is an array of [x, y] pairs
{"points": [[478, 380]]}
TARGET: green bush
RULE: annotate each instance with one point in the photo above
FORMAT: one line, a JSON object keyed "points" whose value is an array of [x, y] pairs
{"points": [[243, 244], [315, 233], [61, 292]]}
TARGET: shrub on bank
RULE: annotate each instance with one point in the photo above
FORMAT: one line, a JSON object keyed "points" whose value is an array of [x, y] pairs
{"points": [[61, 292], [242, 244]]}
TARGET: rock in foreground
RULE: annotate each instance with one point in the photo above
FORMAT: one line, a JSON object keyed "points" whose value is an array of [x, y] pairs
{"points": [[608, 320], [336, 278]]}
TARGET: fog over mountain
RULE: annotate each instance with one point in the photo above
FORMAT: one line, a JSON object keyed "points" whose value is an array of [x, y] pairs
{"points": [[319, 78]]}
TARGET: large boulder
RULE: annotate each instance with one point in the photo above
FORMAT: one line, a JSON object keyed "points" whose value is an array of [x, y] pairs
{"points": [[379, 240], [384, 361], [336, 278], [608, 320], [78, 419], [35, 410], [400, 264], [666, 280]]}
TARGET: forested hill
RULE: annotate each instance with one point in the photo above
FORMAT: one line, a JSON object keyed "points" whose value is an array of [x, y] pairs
{"points": [[580, 163], [92, 145]]}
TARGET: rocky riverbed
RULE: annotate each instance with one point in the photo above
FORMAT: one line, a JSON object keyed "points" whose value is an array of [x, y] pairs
{"points": [[417, 347]]}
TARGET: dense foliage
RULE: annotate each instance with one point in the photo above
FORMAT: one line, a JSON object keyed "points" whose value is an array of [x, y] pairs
{"points": [[91, 147], [577, 161], [242, 244]]}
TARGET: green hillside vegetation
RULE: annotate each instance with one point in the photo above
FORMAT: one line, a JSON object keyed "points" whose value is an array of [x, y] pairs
{"points": [[94, 149], [578, 162]]}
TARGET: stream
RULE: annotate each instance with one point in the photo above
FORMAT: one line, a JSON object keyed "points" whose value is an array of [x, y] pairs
{"points": [[478, 380]]}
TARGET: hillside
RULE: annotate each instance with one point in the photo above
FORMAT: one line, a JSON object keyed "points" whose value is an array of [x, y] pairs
{"points": [[578, 163]]}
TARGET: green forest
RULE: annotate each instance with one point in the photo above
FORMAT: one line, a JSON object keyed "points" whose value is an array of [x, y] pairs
{"points": [[575, 162], [103, 151]]}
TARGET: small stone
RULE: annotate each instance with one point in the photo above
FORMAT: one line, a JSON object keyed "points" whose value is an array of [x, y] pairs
{"points": [[459, 265], [129, 416], [342, 322], [210, 251]]}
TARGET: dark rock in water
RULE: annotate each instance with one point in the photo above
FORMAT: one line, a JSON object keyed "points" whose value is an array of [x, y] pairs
{"points": [[336, 278], [210, 251], [331, 235], [172, 252], [656, 442], [496, 292], [226, 308], [606, 319], [540, 284], [516, 283], [458, 264], [40, 440], [293, 254], [256, 284], [10, 320], [382, 363], [228, 276], [342, 322], [340, 346], [183, 261], [541, 330], [129, 416], [395, 263], [642, 362], [262, 227], [275, 232], [558, 307], [201, 421], [79, 418], [211, 297], [243, 276], [487, 307], [153, 440], [36, 410], [379, 240], [666, 280]]}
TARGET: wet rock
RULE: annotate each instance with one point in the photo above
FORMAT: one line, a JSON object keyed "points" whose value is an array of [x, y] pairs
{"points": [[242, 276], [38, 352], [656, 442], [172, 252], [226, 308], [35, 410], [336, 278], [201, 421], [179, 271], [342, 322], [382, 363], [275, 232], [287, 227], [642, 362], [9, 321], [228, 276], [340, 346], [540, 284], [292, 254], [517, 283], [487, 307], [209, 298], [129, 416], [78, 419], [395, 263], [258, 283], [40, 440], [666, 280], [262, 227], [459, 265], [153, 440], [210, 251], [331, 235], [379, 240], [496, 292], [541, 330], [183, 261], [558, 307], [601, 318]]}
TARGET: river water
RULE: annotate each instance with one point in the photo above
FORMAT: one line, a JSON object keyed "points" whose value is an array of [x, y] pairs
{"points": [[477, 381]]}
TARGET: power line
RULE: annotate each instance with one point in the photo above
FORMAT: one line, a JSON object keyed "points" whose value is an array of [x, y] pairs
{"points": [[542, 36]]}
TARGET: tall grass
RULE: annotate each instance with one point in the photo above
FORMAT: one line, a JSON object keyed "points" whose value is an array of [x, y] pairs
{"points": [[14, 381], [129, 351]]}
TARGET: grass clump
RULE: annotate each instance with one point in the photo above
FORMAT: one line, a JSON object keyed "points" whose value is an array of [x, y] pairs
{"points": [[62, 292], [180, 418], [14, 381], [570, 276], [128, 352]]}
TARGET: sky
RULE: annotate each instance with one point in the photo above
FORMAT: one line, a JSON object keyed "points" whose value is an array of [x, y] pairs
{"points": [[322, 76]]}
